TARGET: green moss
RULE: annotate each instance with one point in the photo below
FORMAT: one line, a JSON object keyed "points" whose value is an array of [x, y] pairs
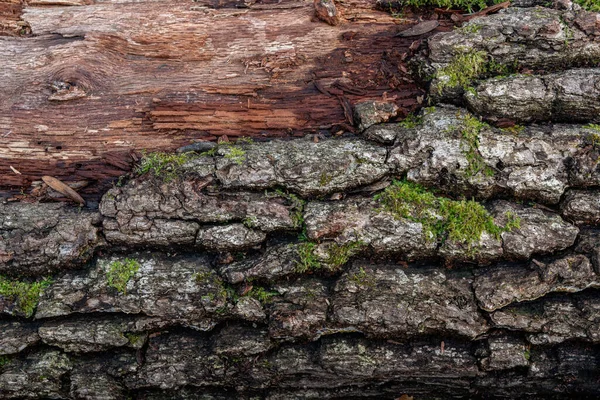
{"points": [[429, 110], [443, 219], [121, 181], [470, 129], [361, 278], [261, 294], [527, 354], [589, 5], [4, 361], [468, 65], [500, 69], [210, 153], [120, 272], [594, 137], [307, 260], [325, 179], [338, 255], [297, 218], [465, 221], [465, 66], [244, 140], [310, 293], [594, 127], [236, 154], [204, 277], [515, 129], [135, 339], [296, 203], [469, 28], [166, 166], [513, 221], [250, 221], [468, 5], [25, 294], [208, 278], [234, 151], [397, 14], [216, 285], [411, 121], [471, 90]]}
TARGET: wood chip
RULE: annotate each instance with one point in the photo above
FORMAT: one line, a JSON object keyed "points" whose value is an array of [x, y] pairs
{"points": [[347, 127], [415, 45], [337, 196], [223, 139], [347, 109], [63, 188], [246, 289], [457, 18], [420, 29], [13, 169], [489, 10]]}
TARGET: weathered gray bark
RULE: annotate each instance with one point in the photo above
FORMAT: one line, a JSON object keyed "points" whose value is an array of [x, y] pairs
{"points": [[516, 38], [271, 270], [392, 308], [564, 96]]}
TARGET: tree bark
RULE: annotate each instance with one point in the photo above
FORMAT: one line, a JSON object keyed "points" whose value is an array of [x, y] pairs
{"points": [[95, 81]]}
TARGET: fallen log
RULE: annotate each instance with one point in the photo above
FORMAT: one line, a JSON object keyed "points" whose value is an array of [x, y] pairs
{"points": [[110, 77]]}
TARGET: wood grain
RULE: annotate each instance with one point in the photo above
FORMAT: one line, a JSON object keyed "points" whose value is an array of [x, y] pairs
{"points": [[95, 81]]}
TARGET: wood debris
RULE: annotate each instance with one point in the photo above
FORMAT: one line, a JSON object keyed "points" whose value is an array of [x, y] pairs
{"points": [[63, 188], [420, 29], [327, 12]]}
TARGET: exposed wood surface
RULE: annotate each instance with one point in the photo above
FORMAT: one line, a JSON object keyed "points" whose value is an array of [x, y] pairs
{"points": [[10, 18], [95, 81]]}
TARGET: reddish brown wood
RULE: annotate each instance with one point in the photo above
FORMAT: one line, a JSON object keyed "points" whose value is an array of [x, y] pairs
{"points": [[95, 82], [10, 18]]}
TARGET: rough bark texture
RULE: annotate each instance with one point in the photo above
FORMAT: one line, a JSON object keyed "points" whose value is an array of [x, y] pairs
{"points": [[288, 269], [263, 325], [565, 96], [514, 39]]}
